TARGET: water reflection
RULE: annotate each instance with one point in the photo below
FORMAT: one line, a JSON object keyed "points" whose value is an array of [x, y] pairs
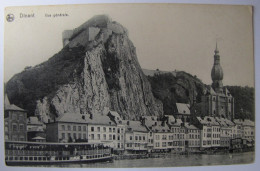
{"points": [[174, 161]]}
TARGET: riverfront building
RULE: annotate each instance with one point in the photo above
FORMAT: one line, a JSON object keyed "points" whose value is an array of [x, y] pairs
{"points": [[136, 137], [14, 122], [160, 131], [35, 129], [192, 137], [182, 111]]}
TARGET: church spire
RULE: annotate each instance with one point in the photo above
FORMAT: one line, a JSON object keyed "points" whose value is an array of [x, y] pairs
{"points": [[217, 72], [216, 50]]}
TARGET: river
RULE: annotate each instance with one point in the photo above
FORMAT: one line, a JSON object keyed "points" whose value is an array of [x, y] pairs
{"points": [[172, 161]]}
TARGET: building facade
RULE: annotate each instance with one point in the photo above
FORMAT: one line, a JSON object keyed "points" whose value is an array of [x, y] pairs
{"points": [[15, 122]]}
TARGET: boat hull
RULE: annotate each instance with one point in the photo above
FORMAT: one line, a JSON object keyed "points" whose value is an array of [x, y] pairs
{"points": [[24, 163]]}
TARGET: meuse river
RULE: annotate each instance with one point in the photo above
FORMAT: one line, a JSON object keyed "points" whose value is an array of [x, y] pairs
{"points": [[173, 161]]}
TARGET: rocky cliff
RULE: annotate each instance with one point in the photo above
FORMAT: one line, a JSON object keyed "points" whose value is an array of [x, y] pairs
{"points": [[175, 87], [182, 87], [97, 69]]}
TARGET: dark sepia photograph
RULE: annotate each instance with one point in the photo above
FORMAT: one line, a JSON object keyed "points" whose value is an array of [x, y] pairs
{"points": [[128, 85]]}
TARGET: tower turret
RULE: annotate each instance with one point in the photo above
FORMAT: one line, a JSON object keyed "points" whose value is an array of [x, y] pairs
{"points": [[217, 73]]}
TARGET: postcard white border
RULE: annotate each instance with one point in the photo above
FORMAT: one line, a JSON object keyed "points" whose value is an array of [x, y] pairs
{"points": [[255, 3]]}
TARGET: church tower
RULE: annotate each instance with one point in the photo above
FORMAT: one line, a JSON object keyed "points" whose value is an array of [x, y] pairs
{"points": [[217, 73], [217, 100]]}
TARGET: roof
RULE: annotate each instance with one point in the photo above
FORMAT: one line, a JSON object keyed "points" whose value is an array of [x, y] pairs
{"points": [[134, 126], [207, 120], [210, 91], [13, 107], [183, 108], [9, 106], [7, 102], [154, 125], [189, 126], [97, 119], [248, 122], [224, 122], [35, 129], [238, 121], [33, 120], [115, 117]]}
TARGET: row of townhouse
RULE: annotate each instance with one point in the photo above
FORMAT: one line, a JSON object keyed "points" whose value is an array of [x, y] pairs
{"points": [[86, 128], [218, 132], [149, 134]]}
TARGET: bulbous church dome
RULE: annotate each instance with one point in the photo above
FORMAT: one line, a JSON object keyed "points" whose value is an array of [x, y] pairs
{"points": [[217, 71]]}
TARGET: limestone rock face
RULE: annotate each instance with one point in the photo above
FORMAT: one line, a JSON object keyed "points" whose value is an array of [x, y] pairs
{"points": [[97, 69]]}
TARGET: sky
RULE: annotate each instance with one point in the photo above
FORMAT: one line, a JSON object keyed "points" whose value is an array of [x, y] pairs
{"points": [[166, 37]]}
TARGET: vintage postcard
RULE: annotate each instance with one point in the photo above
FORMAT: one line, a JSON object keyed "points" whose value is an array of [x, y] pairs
{"points": [[129, 85]]}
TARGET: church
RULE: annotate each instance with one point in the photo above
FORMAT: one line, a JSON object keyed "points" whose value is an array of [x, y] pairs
{"points": [[217, 100]]}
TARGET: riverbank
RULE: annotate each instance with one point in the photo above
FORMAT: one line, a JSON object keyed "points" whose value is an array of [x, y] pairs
{"points": [[173, 160], [164, 155]]}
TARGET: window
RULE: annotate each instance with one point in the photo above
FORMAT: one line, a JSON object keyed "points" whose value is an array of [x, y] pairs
{"points": [[63, 127], [136, 138], [69, 135], [140, 138], [110, 129], [104, 129], [14, 127], [74, 128], [63, 135], [79, 128], [114, 137], [14, 116], [21, 127], [98, 129], [79, 135], [118, 131], [84, 136], [21, 117], [84, 128], [143, 137], [118, 137], [69, 127], [74, 135], [110, 137], [164, 144], [92, 136], [92, 129], [157, 144], [114, 129], [131, 138], [104, 136], [98, 136], [118, 145], [157, 137]]}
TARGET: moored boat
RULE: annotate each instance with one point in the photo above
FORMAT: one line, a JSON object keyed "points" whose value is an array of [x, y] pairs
{"points": [[29, 153]]}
